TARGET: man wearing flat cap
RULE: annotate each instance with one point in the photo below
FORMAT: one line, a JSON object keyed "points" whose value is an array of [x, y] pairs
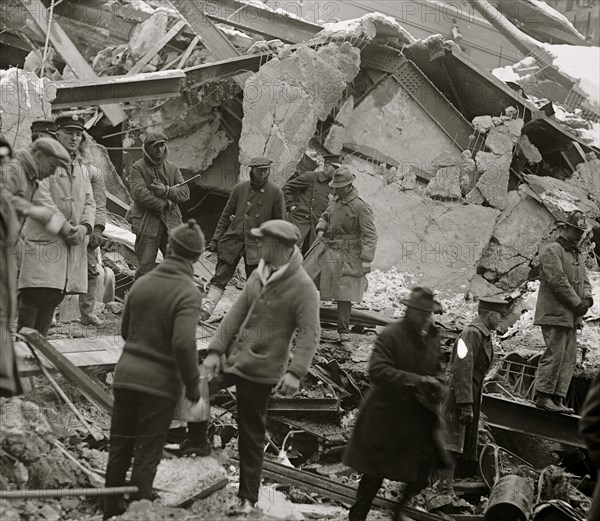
{"points": [[250, 204], [253, 344], [564, 297], [398, 431], [42, 128], [157, 187], [347, 232], [470, 361], [307, 197]]}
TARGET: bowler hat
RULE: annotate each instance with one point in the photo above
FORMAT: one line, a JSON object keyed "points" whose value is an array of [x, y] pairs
{"points": [[574, 220], [260, 161], [343, 176], [283, 231], [51, 147], [43, 125], [422, 298], [155, 136], [187, 240], [72, 121], [492, 303]]}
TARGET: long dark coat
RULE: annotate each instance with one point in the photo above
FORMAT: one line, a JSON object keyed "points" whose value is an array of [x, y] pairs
{"points": [[589, 427], [397, 433], [465, 378]]}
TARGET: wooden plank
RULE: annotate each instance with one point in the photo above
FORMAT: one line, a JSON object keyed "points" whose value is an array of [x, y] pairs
{"points": [[156, 48], [188, 52], [63, 44]]}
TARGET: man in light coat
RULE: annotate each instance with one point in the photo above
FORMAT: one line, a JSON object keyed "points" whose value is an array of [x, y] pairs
{"points": [[250, 204], [55, 265], [564, 297]]}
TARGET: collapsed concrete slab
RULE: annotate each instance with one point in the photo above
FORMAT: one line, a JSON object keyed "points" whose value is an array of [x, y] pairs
{"points": [[445, 184], [98, 156], [337, 136]]}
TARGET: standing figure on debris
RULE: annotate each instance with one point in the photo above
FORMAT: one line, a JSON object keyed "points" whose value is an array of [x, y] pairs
{"points": [[470, 361], [348, 236], [589, 427], [564, 297], [398, 433], [159, 328], [156, 187], [69, 133], [254, 340], [51, 265], [250, 204], [42, 128], [307, 197]]}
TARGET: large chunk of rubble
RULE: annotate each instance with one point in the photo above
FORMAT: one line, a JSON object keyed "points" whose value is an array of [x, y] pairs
{"points": [[337, 136], [367, 28], [146, 34], [97, 155], [286, 98]]}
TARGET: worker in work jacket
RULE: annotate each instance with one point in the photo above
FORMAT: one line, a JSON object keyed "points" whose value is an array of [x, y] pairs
{"points": [[564, 297], [307, 197], [470, 361], [348, 237], [156, 187]]}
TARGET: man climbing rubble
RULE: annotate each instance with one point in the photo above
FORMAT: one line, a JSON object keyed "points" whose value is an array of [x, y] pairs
{"points": [[307, 197], [157, 187], [253, 343], [69, 133], [250, 204], [564, 297], [470, 361], [348, 239], [398, 433]]}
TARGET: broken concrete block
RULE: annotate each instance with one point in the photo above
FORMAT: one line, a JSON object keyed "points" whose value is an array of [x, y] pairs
{"points": [[588, 174], [499, 140], [515, 127], [334, 142], [98, 156], [445, 184], [529, 150], [493, 183], [483, 123], [475, 197], [146, 34], [445, 159], [511, 112]]}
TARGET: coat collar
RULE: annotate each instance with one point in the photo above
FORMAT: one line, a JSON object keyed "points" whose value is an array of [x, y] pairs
{"points": [[175, 265], [477, 323], [567, 245], [265, 271], [348, 198]]}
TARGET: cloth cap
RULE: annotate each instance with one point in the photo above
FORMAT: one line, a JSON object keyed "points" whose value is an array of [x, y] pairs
{"points": [[283, 231], [52, 148], [575, 220], [422, 298], [492, 303], [43, 125], [343, 177], [187, 240], [72, 121], [155, 136], [333, 158], [260, 161]]}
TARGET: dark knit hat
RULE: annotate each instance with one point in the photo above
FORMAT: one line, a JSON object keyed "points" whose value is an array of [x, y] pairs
{"points": [[187, 240], [155, 136]]}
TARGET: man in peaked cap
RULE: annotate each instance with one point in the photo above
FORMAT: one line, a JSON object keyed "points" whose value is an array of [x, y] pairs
{"points": [[307, 197], [250, 204], [470, 361], [564, 297], [42, 128], [278, 300], [347, 232]]}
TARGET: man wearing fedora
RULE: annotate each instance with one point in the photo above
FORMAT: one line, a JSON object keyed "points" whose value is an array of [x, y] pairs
{"points": [[398, 432], [253, 344], [157, 187], [250, 204], [307, 197], [564, 297], [348, 237], [470, 361]]}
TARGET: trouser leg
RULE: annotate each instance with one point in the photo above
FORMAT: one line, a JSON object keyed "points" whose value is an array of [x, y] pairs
{"points": [[146, 249], [249, 268], [224, 272], [88, 300], [51, 299], [252, 401], [366, 492], [122, 442], [27, 306], [154, 417], [550, 365], [567, 368], [344, 308]]}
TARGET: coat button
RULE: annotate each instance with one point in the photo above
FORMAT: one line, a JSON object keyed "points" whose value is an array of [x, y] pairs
{"points": [[257, 215], [262, 190]]}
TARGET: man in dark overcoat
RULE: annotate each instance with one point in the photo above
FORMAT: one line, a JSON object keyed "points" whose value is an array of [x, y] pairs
{"points": [[564, 297], [250, 204], [470, 361], [307, 197], [589, 427], [397, 434]]}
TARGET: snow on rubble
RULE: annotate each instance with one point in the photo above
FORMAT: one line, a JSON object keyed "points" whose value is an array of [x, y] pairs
{"points": [[367, 27]]}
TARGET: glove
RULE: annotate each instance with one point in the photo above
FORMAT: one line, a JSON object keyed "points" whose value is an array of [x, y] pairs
{"points": [[465, 414], [192, 392], [77, 236], [589, 301], [430, 385], [42, 214], [580, 309], [212, 247], [95, 238], [366, 267], [159, 189]]}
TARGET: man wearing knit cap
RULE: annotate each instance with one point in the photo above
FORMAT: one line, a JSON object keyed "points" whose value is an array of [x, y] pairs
{"points": [[157, 187], [307, 197], [347, 232], [250, 204], [564, 297], [159, 357], [470, 361], [42, 128], [252, 347]]}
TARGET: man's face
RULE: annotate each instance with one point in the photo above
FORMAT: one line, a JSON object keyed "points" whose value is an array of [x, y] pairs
{"points": [[273, 251], [494, 319], [70, 138], [157, 149], [342, 191], [259, 174], [418, 317]]}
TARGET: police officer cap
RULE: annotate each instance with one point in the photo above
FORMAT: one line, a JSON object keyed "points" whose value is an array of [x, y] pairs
{"points": [[343, 177], [43, 125], [52, 148], [283, 231], [492, 303], [72, 121], [260, 161]]}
